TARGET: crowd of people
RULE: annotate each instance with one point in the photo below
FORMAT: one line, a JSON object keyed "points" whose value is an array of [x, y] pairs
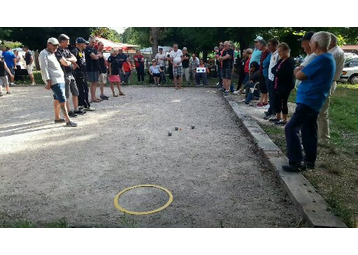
{"points": [[10, 67], [267, 73]]}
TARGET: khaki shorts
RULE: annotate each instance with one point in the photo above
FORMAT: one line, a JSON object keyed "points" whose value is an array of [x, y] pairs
{"points": [[29, 69], [4, 81], [102, 78]]}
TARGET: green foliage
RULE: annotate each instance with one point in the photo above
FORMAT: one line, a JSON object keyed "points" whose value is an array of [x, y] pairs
{"points": [[136, 35], [107, 33], [11, 45], [36, 37]]}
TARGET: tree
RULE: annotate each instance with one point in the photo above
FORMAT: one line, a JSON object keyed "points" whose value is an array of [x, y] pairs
{"points": [[36, 37], [107, 33]]}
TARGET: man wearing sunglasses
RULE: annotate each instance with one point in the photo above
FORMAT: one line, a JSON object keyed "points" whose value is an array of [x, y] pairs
{"points": [[53, 76]]}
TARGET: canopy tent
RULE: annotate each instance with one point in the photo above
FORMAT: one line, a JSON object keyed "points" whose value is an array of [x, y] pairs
{"points": [[109, 45]]}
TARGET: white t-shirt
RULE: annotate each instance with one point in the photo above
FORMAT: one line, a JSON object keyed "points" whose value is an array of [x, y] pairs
{"points": [[308, 59], [273, 61], [176, 56], [161, 58]]}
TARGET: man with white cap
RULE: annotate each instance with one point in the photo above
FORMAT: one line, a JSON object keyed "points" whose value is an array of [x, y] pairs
{"points": [[256, 55], [54, 79]]}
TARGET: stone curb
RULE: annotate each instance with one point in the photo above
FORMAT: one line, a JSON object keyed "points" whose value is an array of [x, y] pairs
{"points": [[309, 203]]}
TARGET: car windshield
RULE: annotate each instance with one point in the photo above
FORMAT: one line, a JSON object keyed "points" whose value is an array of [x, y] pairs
{"points": [[352, 63]]}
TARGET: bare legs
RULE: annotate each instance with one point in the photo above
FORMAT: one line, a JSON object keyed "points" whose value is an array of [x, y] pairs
{"points": [[58, 107], [178, 81], [93, 92], [118, 87]]}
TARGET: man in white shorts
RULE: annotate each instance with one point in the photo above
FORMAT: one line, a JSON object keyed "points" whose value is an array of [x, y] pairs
{"points": [[29, 59]]}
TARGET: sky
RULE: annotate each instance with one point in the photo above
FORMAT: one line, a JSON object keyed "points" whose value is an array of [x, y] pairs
{"points": [[120, 30]]}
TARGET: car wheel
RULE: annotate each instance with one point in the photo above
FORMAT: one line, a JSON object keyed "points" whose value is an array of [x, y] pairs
{"points": [[353, 79]]}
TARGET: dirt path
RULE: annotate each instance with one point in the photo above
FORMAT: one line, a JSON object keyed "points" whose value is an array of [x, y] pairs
{"points": [[48, 172]]}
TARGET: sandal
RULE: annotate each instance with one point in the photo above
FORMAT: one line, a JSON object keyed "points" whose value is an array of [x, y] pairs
{"points": [[122, 94], [115, 95]]}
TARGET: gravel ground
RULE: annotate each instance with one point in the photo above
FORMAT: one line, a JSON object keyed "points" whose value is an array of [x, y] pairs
{"points": [[48, 172]]}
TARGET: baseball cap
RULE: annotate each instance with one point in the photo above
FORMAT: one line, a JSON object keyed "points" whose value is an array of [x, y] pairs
{"points": [[185, 48], [258, 38], [306, 37], [53, 41], [81, 40], [160, 48], [263, 42]]}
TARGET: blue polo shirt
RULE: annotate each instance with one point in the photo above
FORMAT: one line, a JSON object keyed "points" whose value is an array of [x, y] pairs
{"points": [[256, 56], [266, 64], [9, 58], [314, 90]]}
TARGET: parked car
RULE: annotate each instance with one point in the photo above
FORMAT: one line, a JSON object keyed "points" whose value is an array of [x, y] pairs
{"points": [[350, 71]]}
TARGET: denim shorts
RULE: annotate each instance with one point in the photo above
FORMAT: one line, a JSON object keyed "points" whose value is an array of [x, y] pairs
{"points": [[92, 76], [59, 92]]}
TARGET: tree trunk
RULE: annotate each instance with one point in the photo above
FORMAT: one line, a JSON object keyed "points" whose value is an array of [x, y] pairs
{"points": [[154, 40], [205, 55], [243, 45]]}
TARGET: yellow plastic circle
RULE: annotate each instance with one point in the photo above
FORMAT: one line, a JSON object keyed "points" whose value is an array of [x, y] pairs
{"points": [[120, 208]]}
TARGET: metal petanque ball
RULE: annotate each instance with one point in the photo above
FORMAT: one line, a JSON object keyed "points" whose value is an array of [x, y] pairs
{"points": [[169, 133], [176, 128], [192, 127]]}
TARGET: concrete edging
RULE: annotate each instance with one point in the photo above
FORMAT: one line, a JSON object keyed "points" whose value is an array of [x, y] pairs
{"points": [[304, 196]]}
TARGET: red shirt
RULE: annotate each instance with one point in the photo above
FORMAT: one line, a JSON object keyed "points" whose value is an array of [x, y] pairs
{"points": [[126, 67], [247, 63], [138, 63]]}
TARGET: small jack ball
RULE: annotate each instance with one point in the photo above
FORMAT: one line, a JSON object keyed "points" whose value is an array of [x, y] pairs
{"points": [[192, 127]]}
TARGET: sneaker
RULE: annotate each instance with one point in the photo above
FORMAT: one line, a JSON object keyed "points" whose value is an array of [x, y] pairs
{"points": [[294, 167], [222, 89], [89, 109], [259, 105], [226, 93], [71, 124], [274, 119], [12, 84], [103, 97], [1, 94], [235, 92], [267, 117], [72, 114], [8, 93], [33, 84], [80, 112], [60, 121], [281, 122], [266, 106], [310, 165]]}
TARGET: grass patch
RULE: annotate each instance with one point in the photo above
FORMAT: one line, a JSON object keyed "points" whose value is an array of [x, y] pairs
{"points": [[336, 173]]}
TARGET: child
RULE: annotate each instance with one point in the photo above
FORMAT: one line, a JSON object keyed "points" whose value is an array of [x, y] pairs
{"points": [[253, 81], [155, 71], [113, 66], [3, 77], [127, 68]]}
